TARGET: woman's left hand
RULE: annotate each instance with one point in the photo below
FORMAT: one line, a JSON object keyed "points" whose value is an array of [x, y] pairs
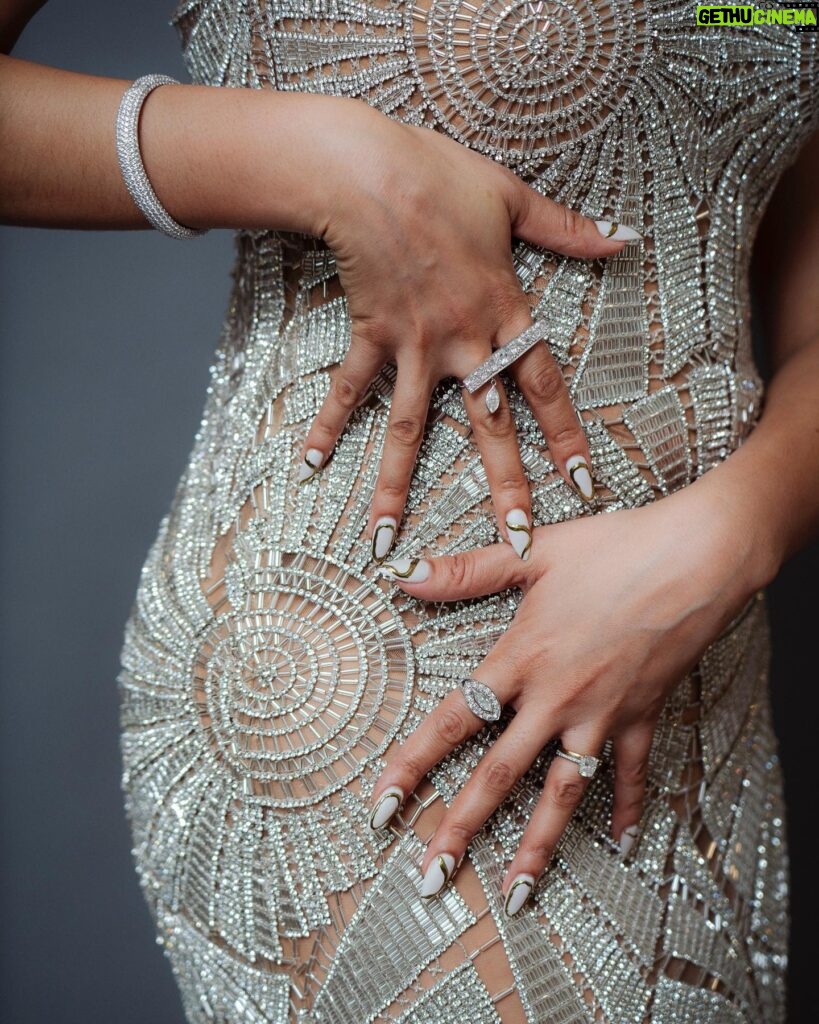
{"points": [[617, 608]]}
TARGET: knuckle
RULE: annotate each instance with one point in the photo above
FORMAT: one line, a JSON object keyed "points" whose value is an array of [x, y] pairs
{"points": [[546, 383], [498, 776], [372, 333], [409, 765], [572, 225], [632, 808], [345, 391], [567, 793], [564, 436], [462, 831], [406, 430], [508, 301], [393, 491], [633, 773], [536, 851], [450, 726], [496, 424], [458, 568]]}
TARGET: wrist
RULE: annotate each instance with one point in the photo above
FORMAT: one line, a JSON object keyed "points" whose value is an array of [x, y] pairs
{"points": [[751, 520], [238, 158]]}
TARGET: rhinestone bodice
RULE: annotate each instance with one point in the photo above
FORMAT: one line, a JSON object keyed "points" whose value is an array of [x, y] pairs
{"points": [[623, 111], [267, 670]]}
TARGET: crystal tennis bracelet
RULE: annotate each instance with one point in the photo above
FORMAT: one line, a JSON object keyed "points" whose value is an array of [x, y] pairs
{"points": [[130, 158]]}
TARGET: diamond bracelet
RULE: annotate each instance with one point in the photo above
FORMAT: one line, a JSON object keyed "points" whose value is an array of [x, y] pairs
{"points": [[130, 158]]}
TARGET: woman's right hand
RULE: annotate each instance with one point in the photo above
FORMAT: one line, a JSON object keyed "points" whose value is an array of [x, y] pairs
{"points": [[421, 228]]}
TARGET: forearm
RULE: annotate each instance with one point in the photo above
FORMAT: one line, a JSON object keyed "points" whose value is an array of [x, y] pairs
{"points": [[770, 485], [215, 157]]}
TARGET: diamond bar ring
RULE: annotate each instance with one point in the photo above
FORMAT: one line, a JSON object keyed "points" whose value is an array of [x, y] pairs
{"points": [[502, 357], [586, 764]]}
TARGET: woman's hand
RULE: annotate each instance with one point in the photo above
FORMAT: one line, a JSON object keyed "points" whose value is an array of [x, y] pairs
{"points": [[421, 228], [617, 609]]}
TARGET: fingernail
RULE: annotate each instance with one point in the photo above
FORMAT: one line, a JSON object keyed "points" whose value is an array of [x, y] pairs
{"points": [[519, 892], [628, 837], [618, 232], [411, 570], [578, 470], [388, 803], [520, 533], [383, 537], [438, 874], [311, 464]]}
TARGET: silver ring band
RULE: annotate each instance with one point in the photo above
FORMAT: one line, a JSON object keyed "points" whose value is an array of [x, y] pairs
{"points": [[505, 356], [586, 764], [481, 700]]}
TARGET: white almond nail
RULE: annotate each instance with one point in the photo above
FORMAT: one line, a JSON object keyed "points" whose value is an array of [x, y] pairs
{"points": [[388, 803], [383, 536], [311, 464], [438, 874], [411, 570], [578, 470], [519, 532], [616, 231], [628, 837], [519, 892]]}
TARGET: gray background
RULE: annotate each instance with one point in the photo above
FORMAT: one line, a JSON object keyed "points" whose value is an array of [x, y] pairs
{"points": [[106, 342]]}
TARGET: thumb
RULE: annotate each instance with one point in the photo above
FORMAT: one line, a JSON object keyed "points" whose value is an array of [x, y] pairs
{"points": [[465, 574], [542, 221]]}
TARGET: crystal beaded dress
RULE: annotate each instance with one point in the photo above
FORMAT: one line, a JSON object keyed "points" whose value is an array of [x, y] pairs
{"points": [[267, 669]]}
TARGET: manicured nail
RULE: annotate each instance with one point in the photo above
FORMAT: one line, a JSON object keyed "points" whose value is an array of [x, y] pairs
{"points": [[313, 459], [519, 892], [619, 232], [628, 837], [520, 533], [388, 803], [578, 470], [438, 874], [411, 570], [383, 537]]}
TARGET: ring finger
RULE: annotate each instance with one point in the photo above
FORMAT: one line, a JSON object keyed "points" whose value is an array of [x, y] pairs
{"points": [[497, 441], [409, 408], [562, 792], [540, 379]]}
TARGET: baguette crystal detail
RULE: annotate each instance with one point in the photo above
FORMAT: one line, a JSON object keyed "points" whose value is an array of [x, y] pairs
{"points": [[256, 720]]}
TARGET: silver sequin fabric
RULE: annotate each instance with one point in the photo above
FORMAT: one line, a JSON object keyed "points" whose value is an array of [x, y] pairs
{"points": [[267, 670]]}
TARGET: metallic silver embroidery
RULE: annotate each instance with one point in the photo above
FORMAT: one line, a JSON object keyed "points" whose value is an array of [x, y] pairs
{"points": [[266, 670]]}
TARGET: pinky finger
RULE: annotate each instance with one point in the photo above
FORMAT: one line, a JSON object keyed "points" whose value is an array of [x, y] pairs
{"points": [[348, 385], [631, 752]]}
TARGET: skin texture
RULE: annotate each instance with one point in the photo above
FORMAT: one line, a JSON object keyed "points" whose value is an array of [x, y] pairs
{"points": [[236, 158], [431, 287], [655, 584], [421, 231]]}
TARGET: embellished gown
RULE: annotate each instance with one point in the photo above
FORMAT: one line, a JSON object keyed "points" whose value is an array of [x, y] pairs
{"points": [[267, 669]]}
